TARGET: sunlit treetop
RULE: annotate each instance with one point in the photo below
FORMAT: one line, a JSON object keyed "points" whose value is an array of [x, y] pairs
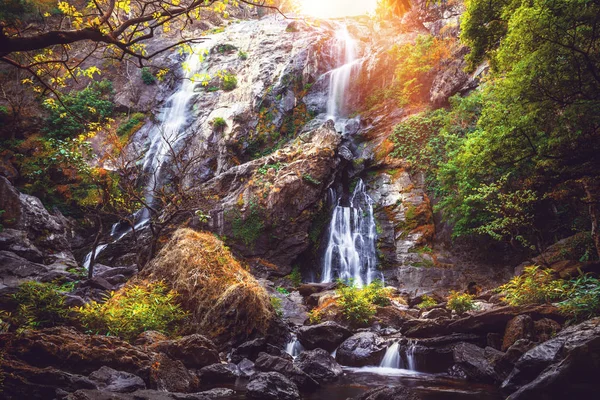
{"points": [[38, 35]]}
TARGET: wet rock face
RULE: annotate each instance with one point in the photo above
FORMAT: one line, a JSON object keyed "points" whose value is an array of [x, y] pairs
{"points": [[474, 363], [361, 349], [268, 363], [327, 335], [111, 380], [319, 364], [195, 351], [567, 365], [271, 386]]}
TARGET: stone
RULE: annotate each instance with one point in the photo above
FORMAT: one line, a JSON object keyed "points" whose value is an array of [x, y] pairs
{"points": [[195, 351], [361, 349], [327, 335], [171, 375], [271, 386], [219, 373], [319, 365], [520, 327], [545, 329], [14, 270], [268, 363], [436, 313], [389, 393], [149, 337], [474, 363], [252, 348], [111, 380], [571, 360], [218, 393], [99, 283]]}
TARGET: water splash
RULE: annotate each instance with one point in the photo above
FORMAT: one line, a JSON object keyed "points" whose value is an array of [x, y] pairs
{"points": [[88, 258], [294, 348], [391, 359], [351, 252], [345, 48], [410, 352]]}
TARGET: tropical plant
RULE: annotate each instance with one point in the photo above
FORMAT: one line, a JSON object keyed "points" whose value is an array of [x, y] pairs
{"points": [[460, 302], [582, 298], [534, 286], [137, 307], [39, 305]]}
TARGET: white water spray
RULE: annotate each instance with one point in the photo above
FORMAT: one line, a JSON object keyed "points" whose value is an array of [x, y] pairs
{"points": [[294, 348], [339, 78], [391, 359], [350, 252], [410, 352]]}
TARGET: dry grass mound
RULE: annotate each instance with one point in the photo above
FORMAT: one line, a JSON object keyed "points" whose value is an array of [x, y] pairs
{"points": [[225, 301]]}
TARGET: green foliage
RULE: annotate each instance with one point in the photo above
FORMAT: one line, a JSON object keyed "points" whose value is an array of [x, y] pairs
{"points": [[228, 81], [282, 290], [135, 122], [219, 123], [248, 228], [534, 286], [92, 104], [40, 305], [315, 316], [426, 302], [582, 298], [275, 166], [145, 306], [147, 77], [295, 276], [225, 48], [460, 302], [277, 306], [359, 305], [242, 55], [308, 178]]}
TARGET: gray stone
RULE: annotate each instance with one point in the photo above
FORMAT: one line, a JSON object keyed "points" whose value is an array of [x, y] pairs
{"points": [[319, 364], [327, 335], [117, 381], [361, 349], [271, 386]]}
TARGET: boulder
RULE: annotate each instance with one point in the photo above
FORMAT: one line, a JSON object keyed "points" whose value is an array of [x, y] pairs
{"points": [[246, 368], [195, 351], [319, 364], [474, 363], [268, 363], [149, 337], [138, 395], [111, 380], [306, 289], [15, 269], [219, 373], [252, 348], [389, 393], [569, 360], [271, 386], [361, 349], [520, 327], [436, 313], [171, 375], [545, 329], [327, 335]]}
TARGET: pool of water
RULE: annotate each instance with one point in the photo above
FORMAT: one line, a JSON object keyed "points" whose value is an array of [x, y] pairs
{"points": [[356, 381]]}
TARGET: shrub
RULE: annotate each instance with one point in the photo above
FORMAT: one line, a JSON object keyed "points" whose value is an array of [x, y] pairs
{"points": [[228, 81], [582, 298], [359, 305], [40, 305], [226, 302], [242, 55], [295, 276], [133, 124], [533, 286], [92, 104], [379, 295], [426, 302], [219, 123], [139, 307], [315, 316], [460, 302], [282, 290], [277, 306], [147, 77]]}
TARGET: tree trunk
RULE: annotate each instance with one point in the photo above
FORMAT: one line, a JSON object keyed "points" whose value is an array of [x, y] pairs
{"points": [[94, 247], [592, 191]]}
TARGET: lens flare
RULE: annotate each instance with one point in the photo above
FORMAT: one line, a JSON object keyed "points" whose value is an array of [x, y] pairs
{"points": [[337, 8]]}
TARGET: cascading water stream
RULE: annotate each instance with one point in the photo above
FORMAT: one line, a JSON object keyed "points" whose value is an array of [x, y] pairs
{"points": [[293, 348], [339, 78], [350, 252], [164, 139], [410, 353], [391, 359]]}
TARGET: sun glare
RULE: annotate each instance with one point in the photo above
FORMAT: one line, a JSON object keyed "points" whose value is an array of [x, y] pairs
{"points": [[337, 8]]}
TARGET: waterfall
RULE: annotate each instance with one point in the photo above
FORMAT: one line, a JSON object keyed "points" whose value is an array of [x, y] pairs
{"points": [[88, 257], [410, 352], [350, 252], [164, 139], [339, 78], [391, 359], [293, 348]]}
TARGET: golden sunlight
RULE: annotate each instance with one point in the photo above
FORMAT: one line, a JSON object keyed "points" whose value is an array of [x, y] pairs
{"points": [[337, 8]]}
